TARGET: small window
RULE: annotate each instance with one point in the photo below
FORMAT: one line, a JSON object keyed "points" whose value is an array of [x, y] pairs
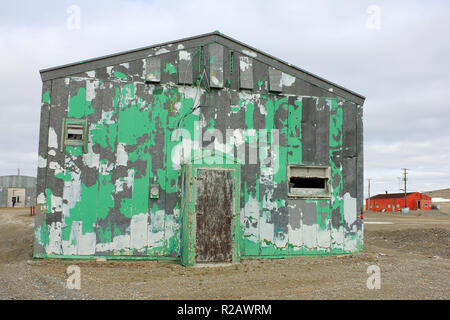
{"points": [[75, 132], [309, 182]]}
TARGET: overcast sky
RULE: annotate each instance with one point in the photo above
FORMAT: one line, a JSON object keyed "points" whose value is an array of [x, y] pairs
{"points": [[395, 53]]}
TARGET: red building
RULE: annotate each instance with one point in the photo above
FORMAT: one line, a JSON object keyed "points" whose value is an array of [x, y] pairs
{"points": [[390, 202]]}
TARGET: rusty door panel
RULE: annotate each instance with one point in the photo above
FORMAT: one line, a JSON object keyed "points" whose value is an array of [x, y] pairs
{"points": [[214, 210]]}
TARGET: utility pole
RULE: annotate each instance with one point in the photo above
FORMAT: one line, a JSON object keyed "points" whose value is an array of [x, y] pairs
{"points": [[404, 180], [368, 191]]}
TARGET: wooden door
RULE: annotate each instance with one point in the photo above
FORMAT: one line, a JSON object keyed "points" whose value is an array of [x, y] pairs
{"points": [[214, 211]]}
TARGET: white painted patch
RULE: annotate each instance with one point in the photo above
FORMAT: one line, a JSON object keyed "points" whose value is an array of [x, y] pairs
{"points": [[106, 117], [281, 242], [41, 198], [184, 55], [245, 63], [120, 242], [125, 65], [91, 74], [180, 46], [54, 236], [287, 80], [71, 193], [262, 108], [138, 231], [324, 237], [190, 92], [251, 216], [69, 247], [91, 159], [338, 238], [250, 53], [86, 243], [350, 245], [161, 51], [215, 81], [171, 228], [56, 203], [53, 165], [309, 236], [109, 70], [52, 152], [266, 230], [106, 168], [349, 209], [155, 230], [295, 236], [42, 162], [52, 138], [121, 154], [176, 213], [90, 89], [128, 180]]}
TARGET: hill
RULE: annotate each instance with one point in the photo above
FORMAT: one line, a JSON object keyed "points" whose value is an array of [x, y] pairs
{"points": [[441, 193]]}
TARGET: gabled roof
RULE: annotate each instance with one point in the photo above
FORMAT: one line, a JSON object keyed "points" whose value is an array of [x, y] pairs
{"points": [[126, 56]]}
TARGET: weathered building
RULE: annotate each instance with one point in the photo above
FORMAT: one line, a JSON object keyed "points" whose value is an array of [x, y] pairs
{"points": [[202, 150], [17, 191], [392, 202]]}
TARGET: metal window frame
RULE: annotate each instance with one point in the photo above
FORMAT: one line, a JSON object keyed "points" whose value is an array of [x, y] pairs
{"points": [[71, 142], [309, 193]]}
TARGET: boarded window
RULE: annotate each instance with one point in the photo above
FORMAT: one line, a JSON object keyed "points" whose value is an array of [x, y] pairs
{"points": [[153, 69], [75, 133], [309, 182]]}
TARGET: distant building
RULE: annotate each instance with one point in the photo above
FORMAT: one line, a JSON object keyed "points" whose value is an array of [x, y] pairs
{"points": [[17, 191], [392, 202]]}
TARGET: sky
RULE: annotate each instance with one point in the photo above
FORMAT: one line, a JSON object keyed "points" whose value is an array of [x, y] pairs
{"points": [[395, 53]]}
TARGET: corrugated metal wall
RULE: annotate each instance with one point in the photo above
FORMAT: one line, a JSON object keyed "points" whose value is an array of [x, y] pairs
{"points": [[29, 183]]}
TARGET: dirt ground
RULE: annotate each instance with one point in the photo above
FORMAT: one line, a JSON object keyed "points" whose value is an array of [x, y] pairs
{"points": [[412, 252]]}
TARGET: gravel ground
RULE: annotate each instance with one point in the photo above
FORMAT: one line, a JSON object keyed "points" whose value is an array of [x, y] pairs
{"points": [[411, 250]]}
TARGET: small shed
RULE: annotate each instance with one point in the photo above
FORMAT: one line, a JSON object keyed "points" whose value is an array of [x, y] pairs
{"points": [[17, 191], [198, 150], [393, 202]]}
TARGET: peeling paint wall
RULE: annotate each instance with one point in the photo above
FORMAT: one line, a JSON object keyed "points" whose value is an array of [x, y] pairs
{"points": [[148, 116]]}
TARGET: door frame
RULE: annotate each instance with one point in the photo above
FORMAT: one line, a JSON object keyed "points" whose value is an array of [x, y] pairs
{"points": [[189, 217], [10, 193]]}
